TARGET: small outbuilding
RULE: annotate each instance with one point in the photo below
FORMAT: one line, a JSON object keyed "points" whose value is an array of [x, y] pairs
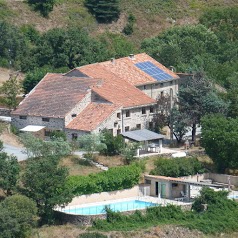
{"points": [[38, 131], [151, 142]]}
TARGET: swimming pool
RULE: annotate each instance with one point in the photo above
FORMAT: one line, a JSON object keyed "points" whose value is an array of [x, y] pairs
{"points": [[117, 206], [233, 196]]}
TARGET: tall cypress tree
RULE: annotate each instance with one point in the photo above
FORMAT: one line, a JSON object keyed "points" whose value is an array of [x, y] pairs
{"points": [[104, 10]]}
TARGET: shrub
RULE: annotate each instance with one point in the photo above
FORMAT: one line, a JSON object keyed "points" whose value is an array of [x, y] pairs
{"points": [[114, 179], [104, 10], [129, 28], [177, 167], [113, 144], [17, 216]]}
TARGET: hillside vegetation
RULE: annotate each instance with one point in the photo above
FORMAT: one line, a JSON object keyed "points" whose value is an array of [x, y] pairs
{"points": [[152, 16]]}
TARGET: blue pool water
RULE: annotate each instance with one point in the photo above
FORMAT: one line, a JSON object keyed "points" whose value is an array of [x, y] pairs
{"points": [[119, 206], [233, 196]]}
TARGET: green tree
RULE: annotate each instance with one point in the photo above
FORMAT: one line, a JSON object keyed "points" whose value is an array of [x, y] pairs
{"points": [[43, 6], [129, 28], [178, 123], [222, 21], [177, 167], [36, 147], [129, 152], [104, 10], [114, 144], [10, 89], [72, 47], [210, 197], [32, 78], [9, 173], [13, 46], [171, 117], [44, 181], [18, 215], [197, 99], [92, 143], [187, 48], [117, 44], [220, 140]]}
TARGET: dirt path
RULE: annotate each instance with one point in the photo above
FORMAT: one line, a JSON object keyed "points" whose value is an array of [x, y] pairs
{"points": [[8, 138], [5, 73]]}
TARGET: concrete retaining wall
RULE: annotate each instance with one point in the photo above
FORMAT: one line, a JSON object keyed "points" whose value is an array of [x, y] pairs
{"points": [[223, 178], [217, 178], [105, 196]]}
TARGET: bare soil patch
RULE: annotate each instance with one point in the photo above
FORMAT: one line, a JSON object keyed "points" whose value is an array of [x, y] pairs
{"points": [[77, 166], [5, 73], [168, 231], [9, 138], [110, 161]]}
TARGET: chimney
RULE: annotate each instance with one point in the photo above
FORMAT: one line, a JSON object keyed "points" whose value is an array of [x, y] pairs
{"points": [[112, 60], [131, 56], [172, 68]]}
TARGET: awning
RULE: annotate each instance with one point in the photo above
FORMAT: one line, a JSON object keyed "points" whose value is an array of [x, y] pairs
{"points": [[32, 128], [142, 135]]}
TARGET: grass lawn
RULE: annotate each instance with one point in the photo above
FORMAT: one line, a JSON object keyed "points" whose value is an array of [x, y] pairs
{"points": [[78, 166], [110, 161]]}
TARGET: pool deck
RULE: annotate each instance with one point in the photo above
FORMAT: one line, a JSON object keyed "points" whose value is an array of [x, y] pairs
{"points": [[155, 200]]}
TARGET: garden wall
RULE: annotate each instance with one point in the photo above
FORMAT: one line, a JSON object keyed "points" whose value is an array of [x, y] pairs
{"points": [[105, 196]]}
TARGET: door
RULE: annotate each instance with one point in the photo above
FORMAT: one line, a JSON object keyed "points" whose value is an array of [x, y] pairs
{"points": [[156, 188], [163, 190]]}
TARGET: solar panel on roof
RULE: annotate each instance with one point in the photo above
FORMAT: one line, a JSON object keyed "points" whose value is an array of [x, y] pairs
{"points": [[154, 71]]}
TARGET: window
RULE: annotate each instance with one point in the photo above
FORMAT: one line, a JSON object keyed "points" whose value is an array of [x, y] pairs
{"points": [[127, 128], [143, 110], [23, 117], [147, 181], [171, 82], [47, 132], [74, 136], [151, 109], [162, 94], [127, 113], [138, 126], [115, 124], [144, 86], [150, 125], [118, 131], [74, 115], [161, 85], [110, 131], [45, 119], [119, 115]]}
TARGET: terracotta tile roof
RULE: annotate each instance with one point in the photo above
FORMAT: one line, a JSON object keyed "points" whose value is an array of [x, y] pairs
{"points": [[55, 96], [126, 70], [116, 90], [92, 116]]}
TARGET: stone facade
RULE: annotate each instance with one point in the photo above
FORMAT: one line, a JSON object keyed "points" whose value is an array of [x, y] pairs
{"points": [[155, 90], [78, 108], [119, 122], [52, 124]]}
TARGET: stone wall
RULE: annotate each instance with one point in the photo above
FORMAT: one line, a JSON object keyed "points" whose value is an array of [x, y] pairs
{"points": [[77, 219], [154, 90], [5, 112], [223, 178], [78, 108], [53, 124], [105, 196]]}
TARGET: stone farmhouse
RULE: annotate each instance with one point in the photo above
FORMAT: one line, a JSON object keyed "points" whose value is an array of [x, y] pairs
{"points": [[119, 95]]}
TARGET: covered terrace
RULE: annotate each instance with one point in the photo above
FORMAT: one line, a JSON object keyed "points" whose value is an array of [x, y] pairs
{"points": [[151, 142], [176, 188]]}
